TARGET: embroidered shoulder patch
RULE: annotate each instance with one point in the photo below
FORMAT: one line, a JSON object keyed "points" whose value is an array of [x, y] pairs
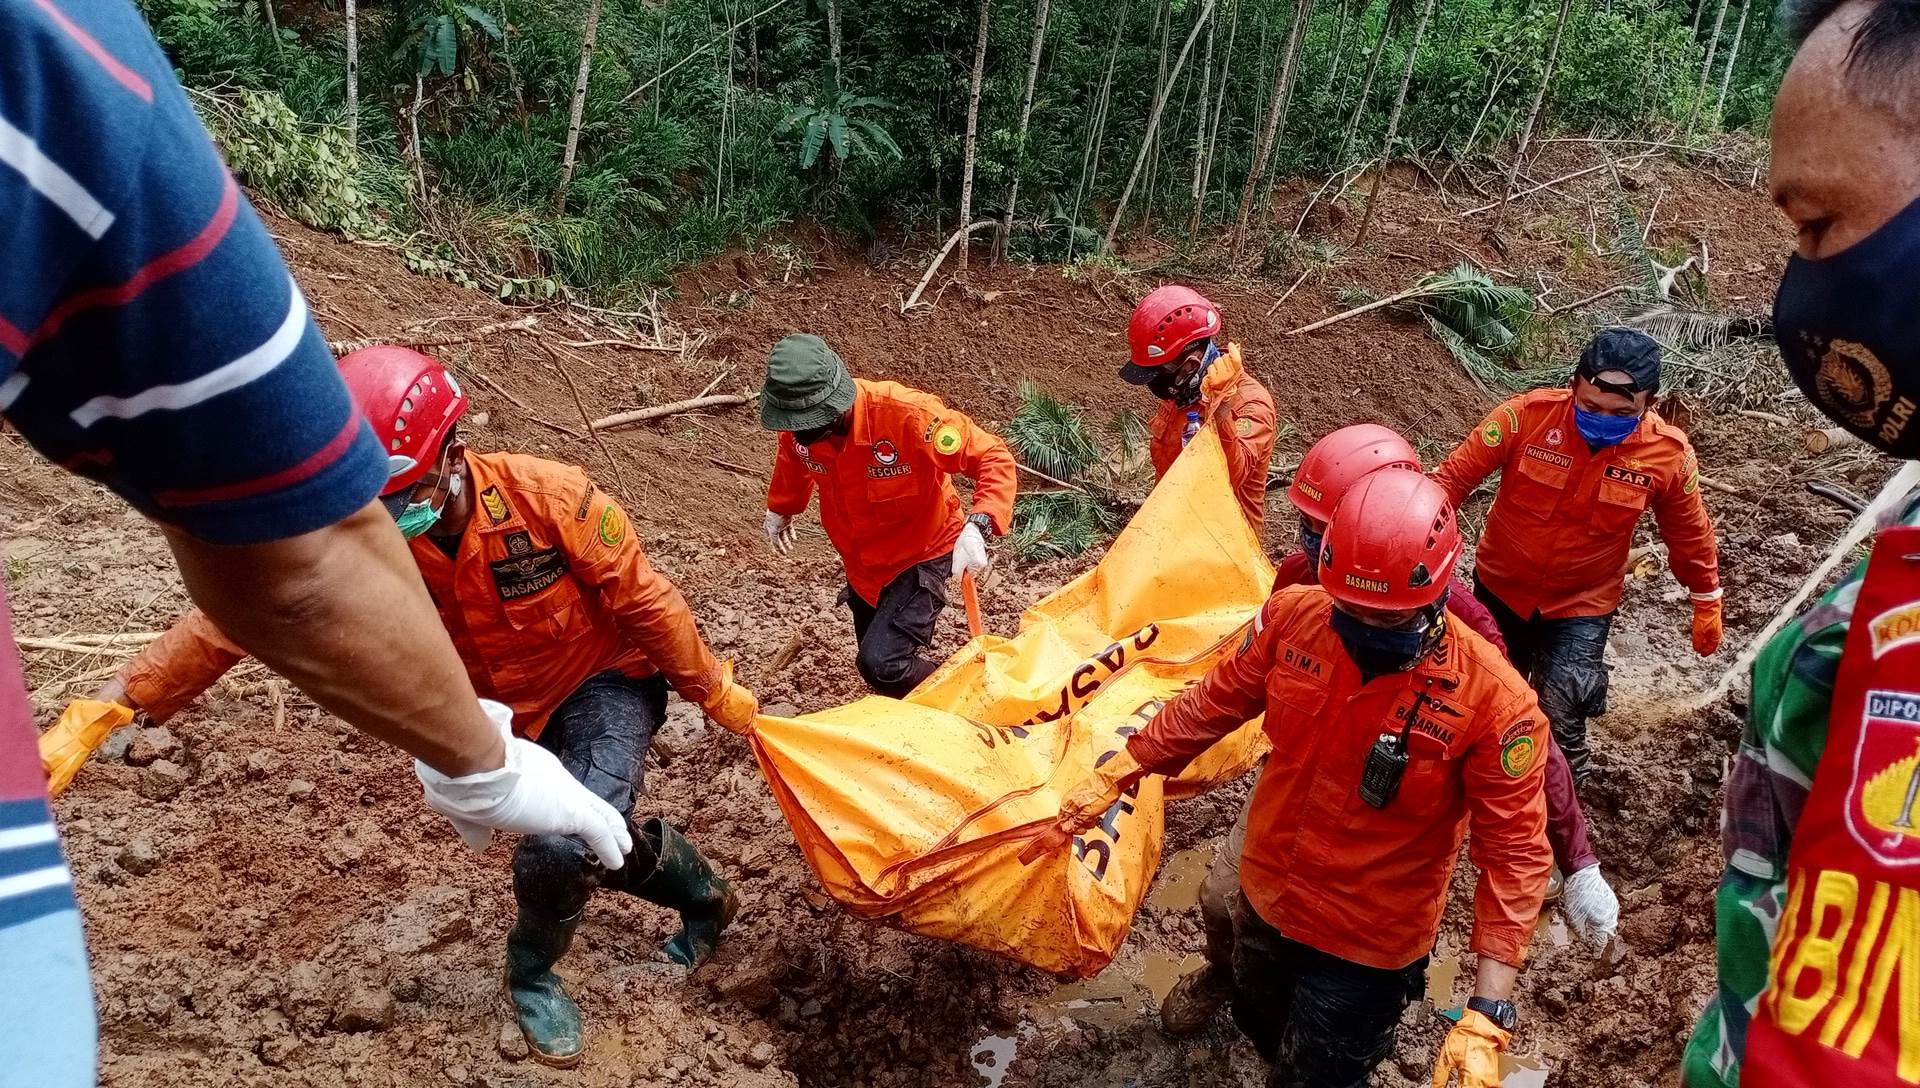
{"points": [[1243, 427], [613, 527], [1490, 433], [1516, 756], [586, 500], [948, 439]]}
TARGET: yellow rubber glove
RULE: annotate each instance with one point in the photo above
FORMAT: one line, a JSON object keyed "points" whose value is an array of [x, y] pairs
{"points": [[1472, 1051], [733, 707], [83, 725], [1086, 802]]}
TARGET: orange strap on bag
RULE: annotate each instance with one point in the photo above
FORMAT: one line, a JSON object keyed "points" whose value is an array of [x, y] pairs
{"points": [[83, 726]]}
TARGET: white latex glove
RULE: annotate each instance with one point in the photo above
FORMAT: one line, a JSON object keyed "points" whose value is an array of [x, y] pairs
{"points": [[970, 551], [531, 795], [780, 532], [1592, 909]]}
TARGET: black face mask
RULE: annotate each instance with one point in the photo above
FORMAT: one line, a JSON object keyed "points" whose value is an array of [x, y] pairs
{"points": [[1310, 542], [812, 434], [1849, 329], [1378, 651], [1185, 389]]}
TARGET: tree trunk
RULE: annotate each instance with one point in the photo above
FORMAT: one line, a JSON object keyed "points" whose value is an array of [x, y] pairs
{"points": [[1366, 88], [1162, 86], [1040, 13], [973, 129], [1733, 58], [1533, 113], [413, 125], [273, 25], [353, 74], [1706, 69], [1339, 44], [513, 73], [1153, 122], [1296, 49], [579, 104], [1393, 121], [833, 39], [1213, 127], [1276, 109], [1090, 155], [1200, 129]]}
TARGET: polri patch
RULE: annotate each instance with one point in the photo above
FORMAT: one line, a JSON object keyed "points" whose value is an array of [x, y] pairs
{"points": [[524, 575], [495, 504], [613, 526]]}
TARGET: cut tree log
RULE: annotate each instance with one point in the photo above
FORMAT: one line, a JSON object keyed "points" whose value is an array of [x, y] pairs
{"points": [[1766, 417], [1828, 439], [659, 411]]}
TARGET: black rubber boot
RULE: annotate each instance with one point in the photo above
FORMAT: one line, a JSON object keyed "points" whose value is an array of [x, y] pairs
{"points": [[685, 881], [547, 1016], [1195, 1000]]}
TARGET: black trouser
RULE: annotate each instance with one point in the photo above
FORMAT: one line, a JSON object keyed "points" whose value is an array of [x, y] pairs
{"points": [[893, 632], [1565, 661], [1323, 1022], [600, 734]]}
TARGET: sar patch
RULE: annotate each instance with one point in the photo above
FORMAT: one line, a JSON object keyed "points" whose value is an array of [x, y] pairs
{"points": [[1490, 433], [495, 504], [1631, 477], [1521, 728], [948, 439], [1516, 756], [613, 526], [524, 575], [519, 544]]}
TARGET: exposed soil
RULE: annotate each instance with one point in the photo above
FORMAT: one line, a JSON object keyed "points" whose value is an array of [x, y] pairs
{"points": [[299, 919]]}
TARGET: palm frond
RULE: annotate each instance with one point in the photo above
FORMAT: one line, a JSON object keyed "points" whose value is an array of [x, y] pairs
{"points": [[1058, 524], [1050, 434], [1696, 330]]}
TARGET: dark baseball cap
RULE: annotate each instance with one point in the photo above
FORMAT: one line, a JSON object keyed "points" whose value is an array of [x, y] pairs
{"points": [[1628, 350]]}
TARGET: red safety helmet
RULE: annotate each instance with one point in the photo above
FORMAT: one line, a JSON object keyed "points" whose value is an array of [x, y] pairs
{"points": [[1391, 543], [1163, 325], [1342, 459], [412, 402]]}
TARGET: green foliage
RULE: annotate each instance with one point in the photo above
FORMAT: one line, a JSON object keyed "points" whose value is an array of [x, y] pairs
{"points": [[1050, 434], [433, 39], [1482, 324], [1054, 524], [838, 123], [308, 171]]}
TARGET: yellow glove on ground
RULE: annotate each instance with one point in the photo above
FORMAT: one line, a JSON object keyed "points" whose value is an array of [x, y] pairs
{"points": [[1086, 802], [1472, 1050], [83, 725], [733, 707]]}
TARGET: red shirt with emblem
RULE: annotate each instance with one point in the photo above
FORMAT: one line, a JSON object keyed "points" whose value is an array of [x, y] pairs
{"points": [[1562, 522], [887, 499], [1321, 865]]}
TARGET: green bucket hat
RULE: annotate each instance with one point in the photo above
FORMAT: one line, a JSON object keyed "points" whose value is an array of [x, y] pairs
{"points": [[807, 385]]}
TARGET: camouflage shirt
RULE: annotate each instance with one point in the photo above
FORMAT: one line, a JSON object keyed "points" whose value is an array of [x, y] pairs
{"points": [[1785, 734]]}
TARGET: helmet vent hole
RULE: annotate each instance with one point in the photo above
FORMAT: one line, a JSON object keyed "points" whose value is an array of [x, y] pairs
{"points": [[1421, 576], [400, 423]]}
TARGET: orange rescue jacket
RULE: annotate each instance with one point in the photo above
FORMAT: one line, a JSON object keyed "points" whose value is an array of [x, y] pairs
{"points": [[1244, 411], [1562, 522], [549, 586], [1320, 864], [886, 489]]}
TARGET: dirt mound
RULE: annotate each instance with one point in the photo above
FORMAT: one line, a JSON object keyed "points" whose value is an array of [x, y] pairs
{"points": [[283, 912]]}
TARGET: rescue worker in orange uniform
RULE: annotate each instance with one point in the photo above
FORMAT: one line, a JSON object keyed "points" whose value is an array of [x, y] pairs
{"points": [[1174, 352], [1578, 467], [882, 456], [557, 614], [1395, 732]]}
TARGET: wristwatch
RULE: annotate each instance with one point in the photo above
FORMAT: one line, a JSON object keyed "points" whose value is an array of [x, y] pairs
{"points": [[1500, 1012], [984, 523]]}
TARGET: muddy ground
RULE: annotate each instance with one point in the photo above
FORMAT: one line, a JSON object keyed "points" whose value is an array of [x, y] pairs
{"points": [[284, 912]]}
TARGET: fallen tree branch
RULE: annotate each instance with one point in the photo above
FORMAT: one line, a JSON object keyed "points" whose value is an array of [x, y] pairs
{"points": [[741, 469], [86, 644], [1289, 292], [1549, 184], [551, 425], [658, 411], [1038, 475], [1712, 484], [619, 476], [495, 386], [1358, 310], [1595, 297], [952, 240], [669, 349], [523, 324], [1766, 417]]}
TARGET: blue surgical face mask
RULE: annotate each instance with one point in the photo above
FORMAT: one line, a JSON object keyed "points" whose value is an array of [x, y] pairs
{"points": [[1378, 651], [1310, 542], [1602, 431]]}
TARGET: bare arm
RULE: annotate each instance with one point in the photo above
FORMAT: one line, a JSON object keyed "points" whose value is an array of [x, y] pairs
{"points": [[342, 613], [1494, 980]]}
